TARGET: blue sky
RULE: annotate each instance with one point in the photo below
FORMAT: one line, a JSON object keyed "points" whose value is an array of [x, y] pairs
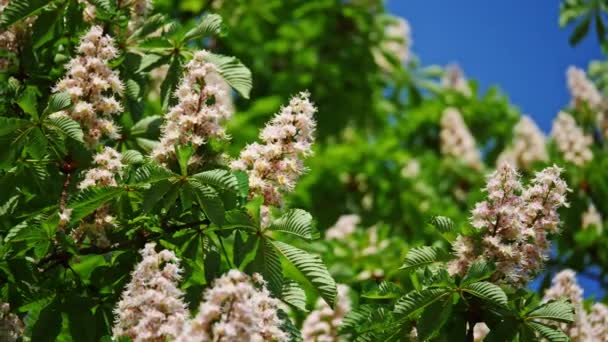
{"points": [[516, 44]]}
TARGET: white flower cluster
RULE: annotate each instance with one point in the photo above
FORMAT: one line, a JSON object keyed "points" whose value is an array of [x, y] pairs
{"points": [[592, 218], [274, 166], [396, 42], [92, 86], [374, 244], [411, 169], [582, 90], [587, 327], [453, 78], [236, 308], [109, 165], [11, 327], [322, 324], [456, 139], [200, 111], [571, 141], [598, 320], [343, 228], [514, 223], [528, 145], [151, 307]]}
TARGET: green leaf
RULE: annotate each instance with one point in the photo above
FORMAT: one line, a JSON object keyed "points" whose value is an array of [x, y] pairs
{"points": [[297, 222], [312, 267], [294, 295], [19, 9], [294, 334], [219, 179], [57, 102], [385, 290], [48, 324], [488, 292], [210, 201], [242, 249], [433, 319], [443, 224], [132, 157], [66, 126], [210, 25], [600, 27], [28, 101], [417, 300], [479, 270], [155, 194], [422, 256], [234, 72], [556, 310], [151, 173], [580, 31], [91, 199], [268, 264], [550, 334], [146, 125], [11, 125], [170, 82], [183, 154]]}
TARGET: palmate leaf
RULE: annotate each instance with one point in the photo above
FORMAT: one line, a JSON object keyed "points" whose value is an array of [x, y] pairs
{"points": [[152, 173], [219, 179], [417, 300], [443, 224], [91, 199], [57, 102], [237, 75], [11, 125], [422, 256], [556, 310], [548, 333], [209, 199], [19, 9], [297, 222], [312, 267], [267, 262], [132, 157], [66, 126], [488, 292], [293, 294], [479, 270], [210, 25], [433, 318]]}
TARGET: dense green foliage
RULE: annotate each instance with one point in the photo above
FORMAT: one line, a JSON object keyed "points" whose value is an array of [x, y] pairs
{"points": [[378, 154]]}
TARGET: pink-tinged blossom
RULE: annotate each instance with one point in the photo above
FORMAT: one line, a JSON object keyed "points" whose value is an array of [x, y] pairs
{"points": [[396, 42], [480, 331], [151, 306], [571, 141], [11, 327], [514, 223], [583, 91], [235, 308], [598, 322], [564, 285], [13, 36], [323, 322], [592, 218], [275, 165], [528, 145], [453, 78], [92, 86], [200, 111], [343, 228], [108, 166], [457, 141]]}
